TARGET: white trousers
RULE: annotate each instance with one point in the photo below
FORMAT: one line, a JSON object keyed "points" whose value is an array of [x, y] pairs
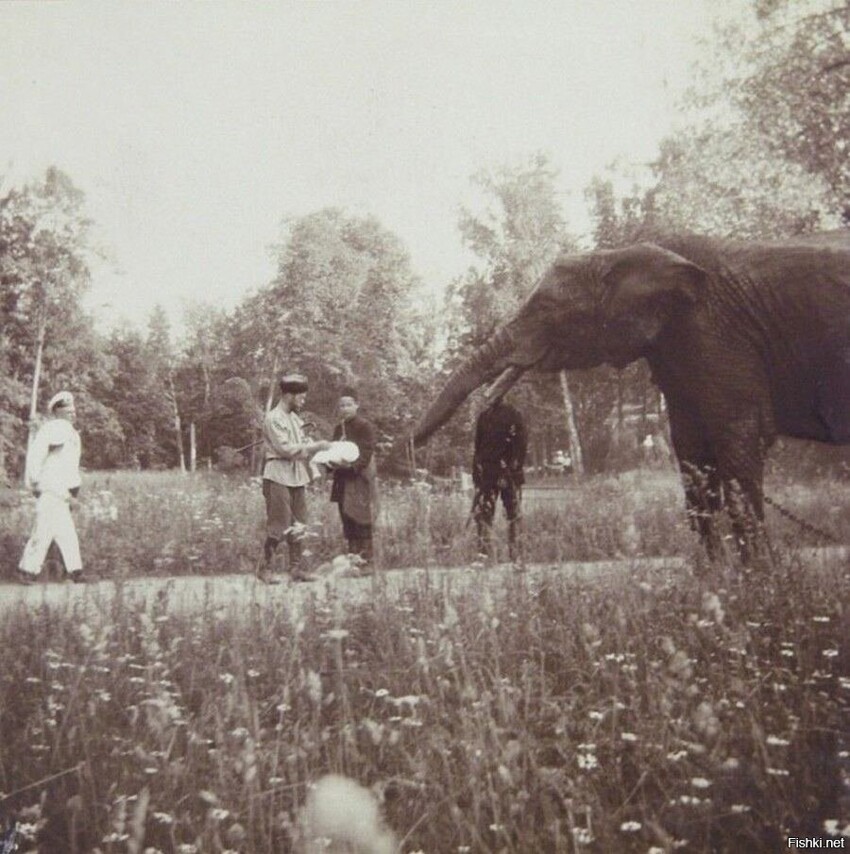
{"points": [[52, 522]]}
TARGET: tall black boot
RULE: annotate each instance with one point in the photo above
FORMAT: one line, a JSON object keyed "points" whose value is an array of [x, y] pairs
{"points": [[514, 544], [353, 554], [364, 549], [264, 571], [485, 544], [297, 572]]}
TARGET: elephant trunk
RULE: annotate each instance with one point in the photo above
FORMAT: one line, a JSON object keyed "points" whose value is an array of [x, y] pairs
{"points": [[483, 365]]}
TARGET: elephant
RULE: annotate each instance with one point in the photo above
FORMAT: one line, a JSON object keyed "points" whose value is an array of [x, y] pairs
{"points": [[746, 340]]}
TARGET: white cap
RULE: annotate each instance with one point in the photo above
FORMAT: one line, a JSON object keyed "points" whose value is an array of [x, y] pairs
{"points": [[60, 399]]}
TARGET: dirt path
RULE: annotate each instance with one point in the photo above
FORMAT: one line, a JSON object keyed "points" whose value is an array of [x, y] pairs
{"points": [[189, 593], [193, 593]]}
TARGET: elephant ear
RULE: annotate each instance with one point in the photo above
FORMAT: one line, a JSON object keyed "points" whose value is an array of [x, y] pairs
{"points": [[644, 285]]}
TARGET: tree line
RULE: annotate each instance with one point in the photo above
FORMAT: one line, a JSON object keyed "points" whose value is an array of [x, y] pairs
{"points": [[761, 153]]}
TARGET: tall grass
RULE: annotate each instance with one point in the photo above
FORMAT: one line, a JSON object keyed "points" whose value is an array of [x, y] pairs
{"points": [[649, 713], [164, 523], [642, 712]]}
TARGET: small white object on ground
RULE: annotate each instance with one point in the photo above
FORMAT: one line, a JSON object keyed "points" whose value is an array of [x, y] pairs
{"points": [[341, 815]]}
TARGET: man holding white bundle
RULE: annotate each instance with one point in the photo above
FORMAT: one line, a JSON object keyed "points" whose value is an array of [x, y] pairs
{"points": [[286, 473], [53, 474]]}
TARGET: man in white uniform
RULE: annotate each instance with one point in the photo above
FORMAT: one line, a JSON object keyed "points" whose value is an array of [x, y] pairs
{"points": [[53, 474]]}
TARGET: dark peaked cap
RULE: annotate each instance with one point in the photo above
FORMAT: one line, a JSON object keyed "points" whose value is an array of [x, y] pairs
{"points": [[293, 384]]}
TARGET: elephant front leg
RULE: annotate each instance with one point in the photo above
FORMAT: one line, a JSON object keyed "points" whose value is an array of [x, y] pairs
{"points": [[745, 503], [703, 500], [741, 456], [700, 479]]}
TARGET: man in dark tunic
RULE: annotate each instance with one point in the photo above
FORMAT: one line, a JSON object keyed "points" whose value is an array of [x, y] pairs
{"points": [[497, 471], [355, 486]]}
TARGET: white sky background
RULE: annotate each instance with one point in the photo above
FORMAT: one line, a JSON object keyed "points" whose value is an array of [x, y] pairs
{"points": [[195, 128]]}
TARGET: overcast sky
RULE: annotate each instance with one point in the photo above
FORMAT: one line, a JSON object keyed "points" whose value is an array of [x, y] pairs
{"points": [[195, 128]]}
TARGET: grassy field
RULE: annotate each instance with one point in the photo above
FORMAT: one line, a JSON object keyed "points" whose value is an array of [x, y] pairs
{"points": [[162, 523], [699, 712]]}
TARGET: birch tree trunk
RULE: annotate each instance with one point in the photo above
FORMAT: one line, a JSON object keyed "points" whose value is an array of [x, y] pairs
{"points": [[193, 450], [207, 384], [572, 431], [36, 374], [272, 381], [206, 418], [178, 427], [255, 449], [36, 380]]}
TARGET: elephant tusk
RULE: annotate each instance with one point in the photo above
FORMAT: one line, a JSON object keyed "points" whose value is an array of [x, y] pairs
{"points": [[503, 384]]}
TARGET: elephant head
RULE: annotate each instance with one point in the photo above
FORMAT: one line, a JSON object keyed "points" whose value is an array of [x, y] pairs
{"points": [[603, 307]]}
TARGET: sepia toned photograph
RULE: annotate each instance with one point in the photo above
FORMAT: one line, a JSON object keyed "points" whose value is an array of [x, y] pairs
{"points": [[424, 426]]}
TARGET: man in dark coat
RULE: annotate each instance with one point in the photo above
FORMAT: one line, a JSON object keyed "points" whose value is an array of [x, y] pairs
{"points": [[497, 471], [354, 486]]}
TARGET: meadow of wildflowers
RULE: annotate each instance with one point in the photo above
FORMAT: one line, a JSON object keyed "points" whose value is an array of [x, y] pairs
{"points": [[643, 713], [698, 711], [163, 523]]}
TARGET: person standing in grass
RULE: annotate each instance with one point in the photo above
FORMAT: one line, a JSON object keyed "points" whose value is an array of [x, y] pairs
{"points": [[53, 475], [286, 473], [354, 487], [501, 442]]}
